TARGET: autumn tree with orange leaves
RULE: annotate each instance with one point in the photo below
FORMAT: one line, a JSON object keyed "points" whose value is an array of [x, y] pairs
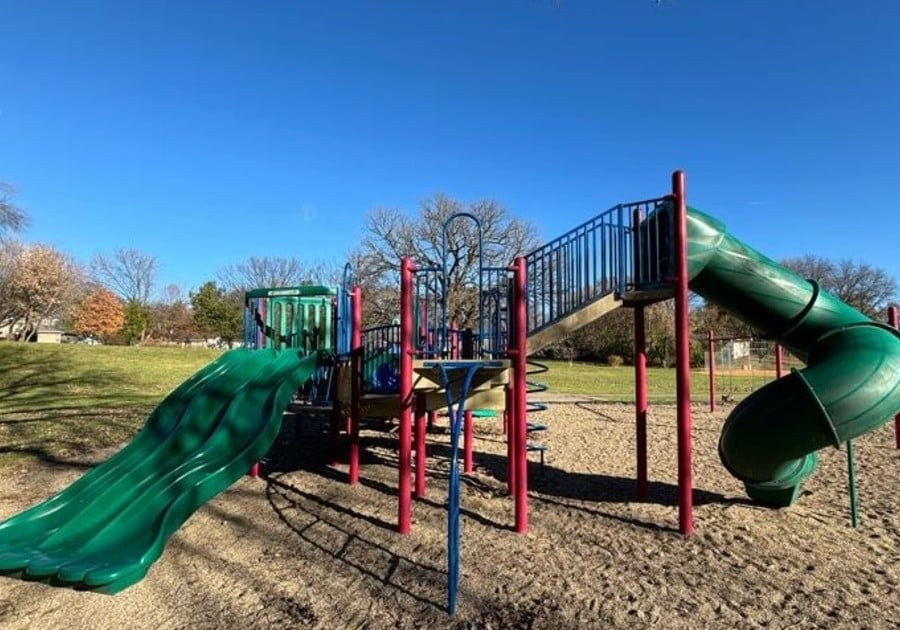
{"points": [[99, 314]]}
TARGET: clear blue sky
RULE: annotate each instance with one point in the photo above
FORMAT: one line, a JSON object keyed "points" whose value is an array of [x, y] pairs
{"points": [[208, 132]]}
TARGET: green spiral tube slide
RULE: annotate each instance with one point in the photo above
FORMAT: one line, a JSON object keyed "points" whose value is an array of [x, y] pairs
{"points": [[850, 386]]}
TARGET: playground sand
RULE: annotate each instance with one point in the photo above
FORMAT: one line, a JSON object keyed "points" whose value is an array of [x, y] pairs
{"points": [[303, 549]]}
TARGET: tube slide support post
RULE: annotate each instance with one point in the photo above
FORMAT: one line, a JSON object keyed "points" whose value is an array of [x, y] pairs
{"points": [[851, 482], [407, 269], [356, 352], [640, 398], [519, 425], [682, 359], [779, 360], [711, 359], [892, 320]]}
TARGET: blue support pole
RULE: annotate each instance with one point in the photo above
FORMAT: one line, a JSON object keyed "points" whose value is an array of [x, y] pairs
{"points": [[456, 412]]}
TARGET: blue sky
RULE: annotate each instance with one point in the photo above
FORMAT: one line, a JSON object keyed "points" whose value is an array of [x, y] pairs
{"points": [[208, 132]]}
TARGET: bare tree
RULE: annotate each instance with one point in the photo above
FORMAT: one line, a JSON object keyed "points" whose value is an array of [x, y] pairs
{"points": [[172, 293], [706, 316], [380, 290], [269, 272], [864, 287], [392, 235], [128, 273], [12, 217], [10, 254]]}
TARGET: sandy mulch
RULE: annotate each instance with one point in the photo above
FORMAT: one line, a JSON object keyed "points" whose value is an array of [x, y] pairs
{"points": [[303, 549]]}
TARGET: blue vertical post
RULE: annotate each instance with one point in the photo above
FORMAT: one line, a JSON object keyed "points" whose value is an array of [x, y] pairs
{"points": [[456, 413]]}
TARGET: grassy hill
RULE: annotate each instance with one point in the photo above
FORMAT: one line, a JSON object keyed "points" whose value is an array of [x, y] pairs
{"points": [[60, 400]]}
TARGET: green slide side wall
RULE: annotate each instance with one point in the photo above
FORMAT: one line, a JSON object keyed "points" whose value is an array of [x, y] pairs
{"points": [[851, 384], [105, 530]]}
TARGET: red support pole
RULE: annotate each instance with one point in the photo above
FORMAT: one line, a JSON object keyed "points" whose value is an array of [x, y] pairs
{"points": [[254, 470], [640, 398], [682, 359], [468, 432], [711, 354], [510, 439], [454, 340], [779, 360], [405, 394], [520, 420], [356, 357], [432, 418], [892, 320], [420, 447]]}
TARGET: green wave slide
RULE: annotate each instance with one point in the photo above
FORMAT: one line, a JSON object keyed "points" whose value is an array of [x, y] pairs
{"points": [[851, 384], [104, 531]]}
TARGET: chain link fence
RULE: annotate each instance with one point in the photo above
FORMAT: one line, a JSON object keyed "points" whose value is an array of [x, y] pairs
{"points": [[742, 365]]}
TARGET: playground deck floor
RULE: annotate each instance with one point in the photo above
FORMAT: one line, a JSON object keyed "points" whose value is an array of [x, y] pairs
{"points": [[302, 549]]}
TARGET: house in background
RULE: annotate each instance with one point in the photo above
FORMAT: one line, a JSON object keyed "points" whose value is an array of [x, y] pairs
{"points": [[49, 335], [47, 332]]}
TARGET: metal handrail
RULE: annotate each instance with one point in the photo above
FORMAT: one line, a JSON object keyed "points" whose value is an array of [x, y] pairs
{"points": [[618, 250]]}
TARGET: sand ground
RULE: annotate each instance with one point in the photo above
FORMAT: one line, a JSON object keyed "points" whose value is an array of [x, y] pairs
{"points": [[300, 548]]}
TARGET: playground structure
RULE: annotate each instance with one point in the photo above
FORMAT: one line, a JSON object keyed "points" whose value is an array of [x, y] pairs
{"points": [[632, 255]]}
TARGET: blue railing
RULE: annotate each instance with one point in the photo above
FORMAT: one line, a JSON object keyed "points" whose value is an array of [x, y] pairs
{"points": [[430, 333], [343, 314], [381, 359], [495, 311], [621, 250], [653, 261], [617, 251]]}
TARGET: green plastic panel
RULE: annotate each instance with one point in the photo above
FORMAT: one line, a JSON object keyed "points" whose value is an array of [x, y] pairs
{"points": [[303, 322]]}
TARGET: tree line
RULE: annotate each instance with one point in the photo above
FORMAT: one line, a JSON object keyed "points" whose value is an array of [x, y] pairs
{"points": [[115, 297]]}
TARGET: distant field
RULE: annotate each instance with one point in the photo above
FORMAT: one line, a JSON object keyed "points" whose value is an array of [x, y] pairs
{"points": [[617, 384], [66, 399]]}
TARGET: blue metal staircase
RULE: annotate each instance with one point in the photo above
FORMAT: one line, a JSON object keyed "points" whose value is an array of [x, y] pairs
{"points": [[588, 271]]}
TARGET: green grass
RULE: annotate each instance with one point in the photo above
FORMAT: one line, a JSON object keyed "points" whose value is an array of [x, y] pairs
{"points": [[58, 400], [616, 384], [63, 400]]}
